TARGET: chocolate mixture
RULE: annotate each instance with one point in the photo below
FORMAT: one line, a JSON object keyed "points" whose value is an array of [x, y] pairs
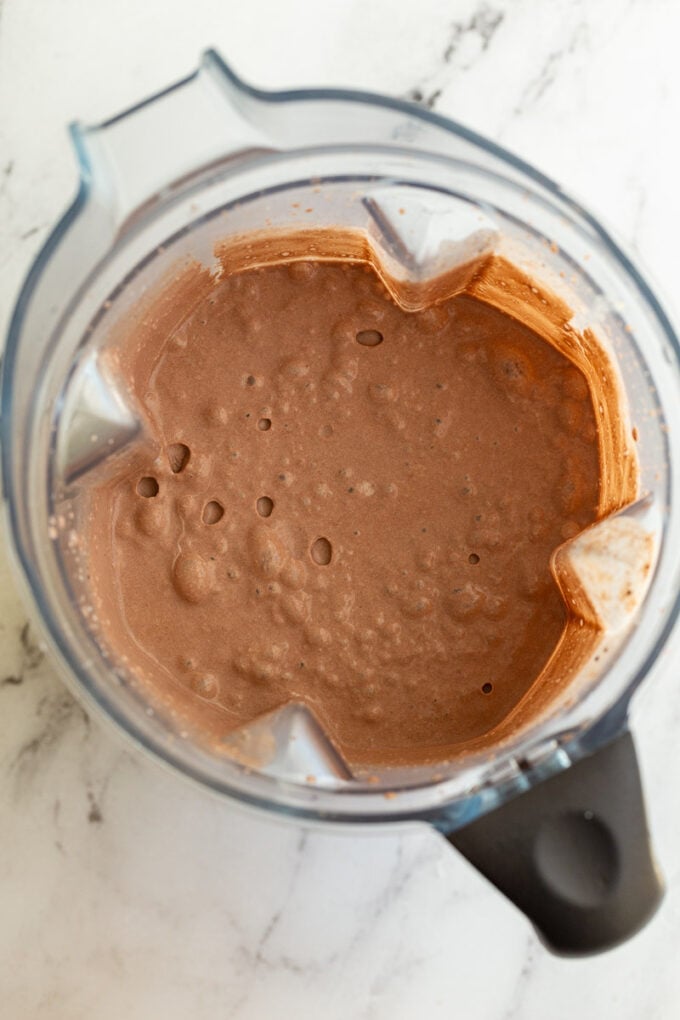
{"points": [[349, 505]]}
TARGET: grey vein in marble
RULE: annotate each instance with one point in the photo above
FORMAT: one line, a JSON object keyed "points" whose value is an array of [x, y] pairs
{"points": [[55, 713], [547, 74], [474, 34]]}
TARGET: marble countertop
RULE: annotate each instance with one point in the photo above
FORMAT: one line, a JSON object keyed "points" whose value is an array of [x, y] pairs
{"points": [[124, 890]]}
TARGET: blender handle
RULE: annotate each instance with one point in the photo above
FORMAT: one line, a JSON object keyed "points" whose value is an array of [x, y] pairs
{"points": [[573, 853]]}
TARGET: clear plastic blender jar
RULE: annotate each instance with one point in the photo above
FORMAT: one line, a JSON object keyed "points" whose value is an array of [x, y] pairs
{"points": [[554, 816]]}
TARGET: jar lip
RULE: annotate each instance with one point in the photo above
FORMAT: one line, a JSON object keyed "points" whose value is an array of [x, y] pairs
{"points": [[429, 801]]}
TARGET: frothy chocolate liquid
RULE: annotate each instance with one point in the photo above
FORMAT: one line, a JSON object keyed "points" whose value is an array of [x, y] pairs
{"points": [[348, 505]]}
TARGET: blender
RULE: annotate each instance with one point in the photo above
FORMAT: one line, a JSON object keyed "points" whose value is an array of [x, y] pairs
{"points": [[553, 814]]}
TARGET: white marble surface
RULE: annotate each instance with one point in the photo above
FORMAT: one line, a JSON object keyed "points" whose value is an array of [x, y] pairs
{"points": [[123, 890]]}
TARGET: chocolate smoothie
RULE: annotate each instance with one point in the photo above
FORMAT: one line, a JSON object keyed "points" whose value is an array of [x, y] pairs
{"points": [[348, 504]]}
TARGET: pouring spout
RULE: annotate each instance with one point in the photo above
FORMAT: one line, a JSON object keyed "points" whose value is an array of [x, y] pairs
{"points": [[169, 141]]}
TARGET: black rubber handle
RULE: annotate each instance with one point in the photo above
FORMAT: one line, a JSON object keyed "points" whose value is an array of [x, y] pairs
{"points": [[573, 853]]}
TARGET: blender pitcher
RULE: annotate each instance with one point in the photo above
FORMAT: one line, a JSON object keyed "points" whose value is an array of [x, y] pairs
{"points": [[553, 815]]}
